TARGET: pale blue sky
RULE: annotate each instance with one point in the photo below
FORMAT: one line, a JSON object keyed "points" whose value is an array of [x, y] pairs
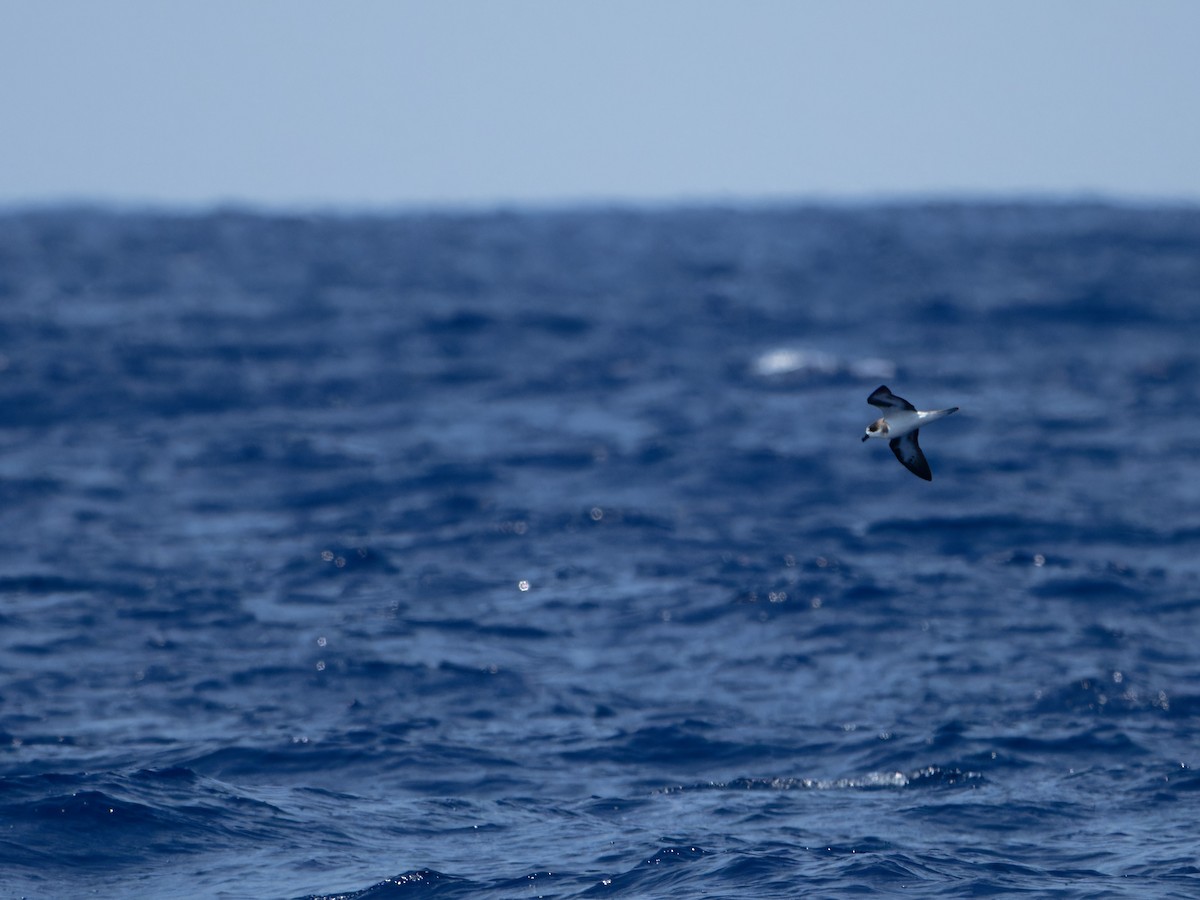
{"points": [[385, 103]]}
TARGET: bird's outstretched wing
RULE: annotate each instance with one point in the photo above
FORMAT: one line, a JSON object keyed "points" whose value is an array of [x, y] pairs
{"points": [[885, 399], [908, 451]]}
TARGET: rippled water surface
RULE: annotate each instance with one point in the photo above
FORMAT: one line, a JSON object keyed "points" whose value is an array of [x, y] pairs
{"points": [[537, 554]]}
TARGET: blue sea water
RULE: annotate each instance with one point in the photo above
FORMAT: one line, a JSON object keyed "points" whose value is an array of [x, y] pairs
{"points": [[536, 554]]}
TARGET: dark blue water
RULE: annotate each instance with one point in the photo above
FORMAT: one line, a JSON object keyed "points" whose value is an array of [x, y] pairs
{"points": [[537, 555]]}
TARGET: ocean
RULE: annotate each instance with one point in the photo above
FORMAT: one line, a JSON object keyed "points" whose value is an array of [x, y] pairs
{"points": [[535, 553]]}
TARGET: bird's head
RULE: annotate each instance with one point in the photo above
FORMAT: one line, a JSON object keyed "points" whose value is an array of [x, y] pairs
{"points": [[877, 429]]}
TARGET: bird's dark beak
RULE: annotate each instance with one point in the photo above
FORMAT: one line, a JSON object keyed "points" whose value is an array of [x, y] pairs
{"points": [[865, 436]]}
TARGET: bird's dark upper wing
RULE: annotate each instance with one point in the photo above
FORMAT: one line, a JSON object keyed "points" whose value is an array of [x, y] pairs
{"points": [[908, 451], [885, 399]]}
